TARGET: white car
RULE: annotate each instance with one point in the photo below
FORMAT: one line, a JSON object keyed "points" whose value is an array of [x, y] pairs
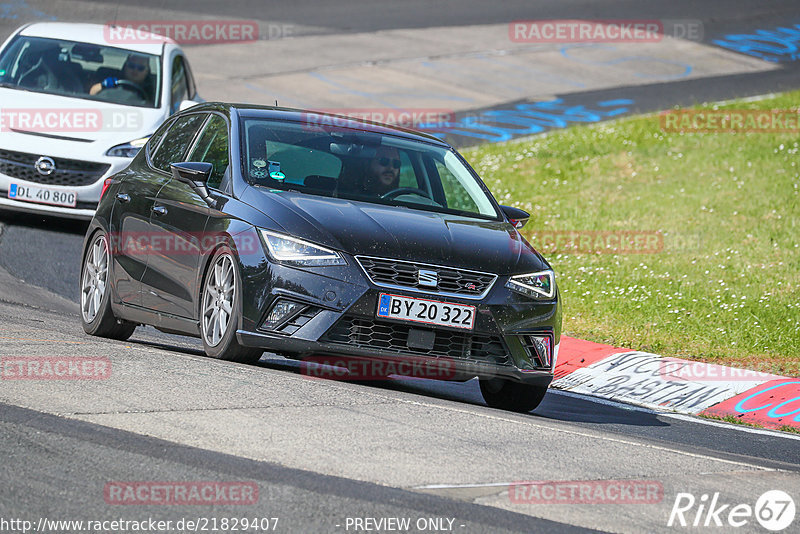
{"points": [[75, 107]]}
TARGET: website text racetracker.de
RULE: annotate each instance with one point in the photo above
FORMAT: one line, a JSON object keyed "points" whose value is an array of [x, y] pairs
{"points": [[196, 524]]}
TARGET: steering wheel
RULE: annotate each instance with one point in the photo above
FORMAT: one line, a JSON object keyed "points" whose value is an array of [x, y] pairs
{"points": [[131, 86], [394, 193]]}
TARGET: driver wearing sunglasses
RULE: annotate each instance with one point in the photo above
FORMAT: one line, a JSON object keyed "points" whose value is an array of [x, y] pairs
{"points": [[383, 173], [136, 69]]}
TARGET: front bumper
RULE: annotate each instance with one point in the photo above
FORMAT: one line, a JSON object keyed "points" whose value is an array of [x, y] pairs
{"points": [[87, 186], [339, 318]]}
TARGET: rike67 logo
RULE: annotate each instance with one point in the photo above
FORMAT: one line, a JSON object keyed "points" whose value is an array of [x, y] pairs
{"points": [[774, 510]]}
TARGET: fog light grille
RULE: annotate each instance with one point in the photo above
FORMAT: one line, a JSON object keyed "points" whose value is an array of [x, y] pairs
{"points": [[287, 316], [540, 349]]}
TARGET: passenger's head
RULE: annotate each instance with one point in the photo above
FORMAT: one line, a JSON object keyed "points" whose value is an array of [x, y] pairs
{"points": [[383, 173]]}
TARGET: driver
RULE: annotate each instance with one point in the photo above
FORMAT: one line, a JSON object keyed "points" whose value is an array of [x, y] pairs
{"points": [[383, 172], [136, 69]]}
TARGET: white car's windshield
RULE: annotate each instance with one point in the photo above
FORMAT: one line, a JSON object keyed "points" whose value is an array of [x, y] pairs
{"points": [[359, 165], [81, 70]]}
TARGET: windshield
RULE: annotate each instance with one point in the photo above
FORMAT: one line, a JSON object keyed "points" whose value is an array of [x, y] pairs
{"points": [[81, 70], [366, 166]]}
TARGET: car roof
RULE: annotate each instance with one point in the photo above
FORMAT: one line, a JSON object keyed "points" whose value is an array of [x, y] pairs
{"points": [[319, 117], [97, 34]]}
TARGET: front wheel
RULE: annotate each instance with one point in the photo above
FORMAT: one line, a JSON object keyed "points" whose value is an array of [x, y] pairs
{"points": [[220, 310], [512, 396], [97, 318]]}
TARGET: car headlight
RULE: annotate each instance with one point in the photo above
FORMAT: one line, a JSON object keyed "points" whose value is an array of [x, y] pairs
{"points": [[541, 285], [127, 150], [298, 252]]}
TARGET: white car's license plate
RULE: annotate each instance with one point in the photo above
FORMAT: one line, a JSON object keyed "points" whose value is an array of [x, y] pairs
{"points": [[43, 195], [426, 311]]}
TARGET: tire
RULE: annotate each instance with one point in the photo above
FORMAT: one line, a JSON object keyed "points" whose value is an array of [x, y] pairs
{"points": [[97, 318], [221, 310], [511, 396]]}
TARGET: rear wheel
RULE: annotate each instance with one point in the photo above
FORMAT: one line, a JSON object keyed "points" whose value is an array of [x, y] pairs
{"points": [[512, 396], [97, 318], [220, 310]]}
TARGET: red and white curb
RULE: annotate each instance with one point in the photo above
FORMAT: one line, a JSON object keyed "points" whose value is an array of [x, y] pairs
{"points": [[676, 385]]}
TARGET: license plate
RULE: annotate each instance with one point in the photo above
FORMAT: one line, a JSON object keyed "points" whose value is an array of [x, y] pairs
{"points": [[426, 311], [43, 195]]}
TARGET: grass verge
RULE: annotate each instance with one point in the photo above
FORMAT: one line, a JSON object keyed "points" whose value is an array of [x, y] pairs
{"points": [[720, 284], [737, 421]]}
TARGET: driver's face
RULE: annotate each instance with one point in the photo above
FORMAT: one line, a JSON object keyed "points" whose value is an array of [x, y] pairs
{"points": [[385, 166], [136, 69]]}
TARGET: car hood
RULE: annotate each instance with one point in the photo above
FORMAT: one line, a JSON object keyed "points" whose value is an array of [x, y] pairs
{"points": [[361, 228], [71, 120]]}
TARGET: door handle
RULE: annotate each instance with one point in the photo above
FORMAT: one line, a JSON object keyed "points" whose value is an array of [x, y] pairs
{"points": [[159, 210], [123, 197]]}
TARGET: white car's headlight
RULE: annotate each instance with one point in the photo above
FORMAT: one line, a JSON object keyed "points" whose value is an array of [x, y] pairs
{"points": [[541, 285], [127, 150], [298, 252]]}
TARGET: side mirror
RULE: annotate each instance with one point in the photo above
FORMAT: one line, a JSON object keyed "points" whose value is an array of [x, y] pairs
{"points": [[516, 216], [195, 174]]}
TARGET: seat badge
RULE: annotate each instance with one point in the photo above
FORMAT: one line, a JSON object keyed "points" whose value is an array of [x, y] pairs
{"points": [[427, 278]]}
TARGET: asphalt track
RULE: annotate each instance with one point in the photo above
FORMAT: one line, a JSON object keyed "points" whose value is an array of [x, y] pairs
{"points": [[319, 451]]}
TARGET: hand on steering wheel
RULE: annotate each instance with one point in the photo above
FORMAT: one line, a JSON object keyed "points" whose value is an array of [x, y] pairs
{"points": [[113, 83], [405, 190]]}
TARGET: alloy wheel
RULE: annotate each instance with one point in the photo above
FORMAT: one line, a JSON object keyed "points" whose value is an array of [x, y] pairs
{"points": [[95, 275], [218, 297]]}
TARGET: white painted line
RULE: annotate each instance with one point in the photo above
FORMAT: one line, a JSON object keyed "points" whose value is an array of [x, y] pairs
{"points": [[681, 417], [732, 426], [590, 435], [449, 486], [607, 402]]}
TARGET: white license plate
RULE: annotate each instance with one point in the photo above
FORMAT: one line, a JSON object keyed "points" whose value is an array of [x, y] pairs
{"points": [[43, 195], [426, 311]]}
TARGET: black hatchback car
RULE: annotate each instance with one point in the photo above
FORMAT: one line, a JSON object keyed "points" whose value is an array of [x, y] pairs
{"points": [[306, 234]]}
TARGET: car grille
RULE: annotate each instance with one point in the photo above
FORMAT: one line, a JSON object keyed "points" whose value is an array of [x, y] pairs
{"points": [[405, 274], [388, 336], [68, 172]]}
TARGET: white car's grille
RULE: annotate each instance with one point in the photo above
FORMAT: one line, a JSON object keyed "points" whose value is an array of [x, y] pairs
{"points": [[67, 172]]}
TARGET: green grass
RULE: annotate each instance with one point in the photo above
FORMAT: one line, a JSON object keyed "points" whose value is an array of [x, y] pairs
{"points": [[737, 421], [732, 419], [724, 288]]}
